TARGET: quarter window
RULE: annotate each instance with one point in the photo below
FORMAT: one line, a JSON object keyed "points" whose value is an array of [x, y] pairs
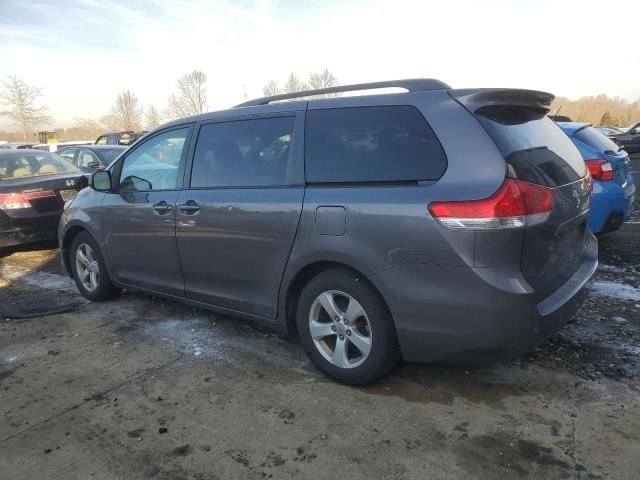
{"points": [[371, 144], [243, 153], [154, 164]]}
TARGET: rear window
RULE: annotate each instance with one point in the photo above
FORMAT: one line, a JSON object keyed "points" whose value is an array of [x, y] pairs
{"points": [[597, 140], [371, 144], [108, 156], [31, 164], [535, 148]]}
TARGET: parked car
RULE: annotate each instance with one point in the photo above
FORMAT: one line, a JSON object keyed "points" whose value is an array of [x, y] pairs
{"points": [[609, 131], [560, 118], [432, 225], [629, 139], [34, 185], [613, 185], [91, 157], [53, 147], [119, 138]]}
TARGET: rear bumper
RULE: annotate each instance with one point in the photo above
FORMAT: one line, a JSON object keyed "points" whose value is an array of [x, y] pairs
{"points": [[464, 315], [611, 205], [26, 230]]}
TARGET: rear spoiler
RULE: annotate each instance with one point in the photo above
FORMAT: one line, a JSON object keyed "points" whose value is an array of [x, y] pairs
{"points": [[475, 99]]}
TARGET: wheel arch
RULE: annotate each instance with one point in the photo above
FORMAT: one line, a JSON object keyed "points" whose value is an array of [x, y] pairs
{"points": [[306, 273], [71, 233]]}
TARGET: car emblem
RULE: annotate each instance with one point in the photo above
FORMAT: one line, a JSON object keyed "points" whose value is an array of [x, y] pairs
{"points": [[576, 198], [70, 183]]}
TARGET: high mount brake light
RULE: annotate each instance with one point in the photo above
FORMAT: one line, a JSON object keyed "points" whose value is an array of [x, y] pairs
{"points": [[12, 201], [516, 204], [600, 169]]}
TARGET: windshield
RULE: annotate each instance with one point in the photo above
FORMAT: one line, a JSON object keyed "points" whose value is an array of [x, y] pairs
{"points": [[32, 164], [596, 140], [109, 155]]}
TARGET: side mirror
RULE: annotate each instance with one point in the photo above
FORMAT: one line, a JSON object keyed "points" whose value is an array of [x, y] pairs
{"points": [[101, 181], [95, 164]]}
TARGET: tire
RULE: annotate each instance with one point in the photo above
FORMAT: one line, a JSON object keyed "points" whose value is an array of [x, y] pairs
{"points": [[339, 348], [100, 288]]}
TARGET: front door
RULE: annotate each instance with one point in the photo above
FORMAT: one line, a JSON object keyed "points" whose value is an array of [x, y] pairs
{"points": [[139, 217], [236, 223]]}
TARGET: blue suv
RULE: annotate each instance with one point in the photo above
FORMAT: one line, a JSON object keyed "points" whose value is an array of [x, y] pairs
{"points": [[613, 186]]}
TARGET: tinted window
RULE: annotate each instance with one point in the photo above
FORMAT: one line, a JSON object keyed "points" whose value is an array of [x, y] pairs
{"points": [[31, 164], [68, 154], [597, 140], [535, 148], [243, 153], [371, 144], [109, 155], [154, 164]]}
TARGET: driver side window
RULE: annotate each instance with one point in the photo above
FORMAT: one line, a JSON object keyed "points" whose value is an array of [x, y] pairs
{"points": [[154, 164]]}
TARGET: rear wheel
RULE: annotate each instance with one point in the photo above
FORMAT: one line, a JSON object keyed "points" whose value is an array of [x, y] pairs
{"points": [[346, 329], [89, 269]]}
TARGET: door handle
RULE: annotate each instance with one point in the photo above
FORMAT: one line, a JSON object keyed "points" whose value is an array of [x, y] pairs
{"points": [[162, 207], [190, 207]]}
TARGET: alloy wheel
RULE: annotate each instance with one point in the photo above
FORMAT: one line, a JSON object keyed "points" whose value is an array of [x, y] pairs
{"points": [[340, 329], [87, 267]]}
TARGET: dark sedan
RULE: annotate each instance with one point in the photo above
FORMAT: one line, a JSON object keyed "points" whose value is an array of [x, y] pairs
{"points": [[630, 139], [91, 157], [34, 186]]}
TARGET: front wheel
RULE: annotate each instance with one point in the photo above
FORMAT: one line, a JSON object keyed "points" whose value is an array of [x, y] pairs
{"points": [[89, 269], [346, 329]]}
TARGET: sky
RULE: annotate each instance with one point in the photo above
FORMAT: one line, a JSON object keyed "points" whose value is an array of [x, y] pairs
{"points": [[83, 52]]}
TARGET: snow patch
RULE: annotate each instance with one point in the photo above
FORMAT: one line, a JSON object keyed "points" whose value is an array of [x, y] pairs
{"points": [[622, 291], [610, 268], [50, 281]]}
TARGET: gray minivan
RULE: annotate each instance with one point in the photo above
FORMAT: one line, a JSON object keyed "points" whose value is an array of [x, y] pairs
{"points": [[432, 225]]}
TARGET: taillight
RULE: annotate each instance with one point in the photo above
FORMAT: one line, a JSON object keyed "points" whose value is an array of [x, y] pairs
{"points": [[12, 201], [600, 169], [516, 204]]}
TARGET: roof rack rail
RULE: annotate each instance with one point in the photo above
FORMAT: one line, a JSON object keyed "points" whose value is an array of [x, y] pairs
{"points": [[411, 85]]}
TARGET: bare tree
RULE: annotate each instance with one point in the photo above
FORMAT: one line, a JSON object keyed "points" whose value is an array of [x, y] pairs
{"points": [[599, 109], [191, 98], [271, 88], [126, 111], [294, 84], [21, 101], [324, 79], [151, 117], [109, 122]]}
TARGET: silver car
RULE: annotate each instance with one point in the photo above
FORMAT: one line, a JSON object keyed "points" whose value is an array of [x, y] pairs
{"points": [[432, 225]]}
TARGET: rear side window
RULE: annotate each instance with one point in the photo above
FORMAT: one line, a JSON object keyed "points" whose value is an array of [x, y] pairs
{"points": [[535, 148], [597, 140], [243, 153], [371, 144]]}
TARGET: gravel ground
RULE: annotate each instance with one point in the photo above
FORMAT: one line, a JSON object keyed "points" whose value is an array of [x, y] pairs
{"points": [[144, 388]]}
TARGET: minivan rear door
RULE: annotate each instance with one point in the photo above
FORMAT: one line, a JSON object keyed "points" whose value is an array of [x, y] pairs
{"points": [[236, 219], [537, 151]]}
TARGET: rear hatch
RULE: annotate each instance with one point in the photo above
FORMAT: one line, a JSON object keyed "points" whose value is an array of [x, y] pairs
{"points": [[609, 150], [537, 151]]}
